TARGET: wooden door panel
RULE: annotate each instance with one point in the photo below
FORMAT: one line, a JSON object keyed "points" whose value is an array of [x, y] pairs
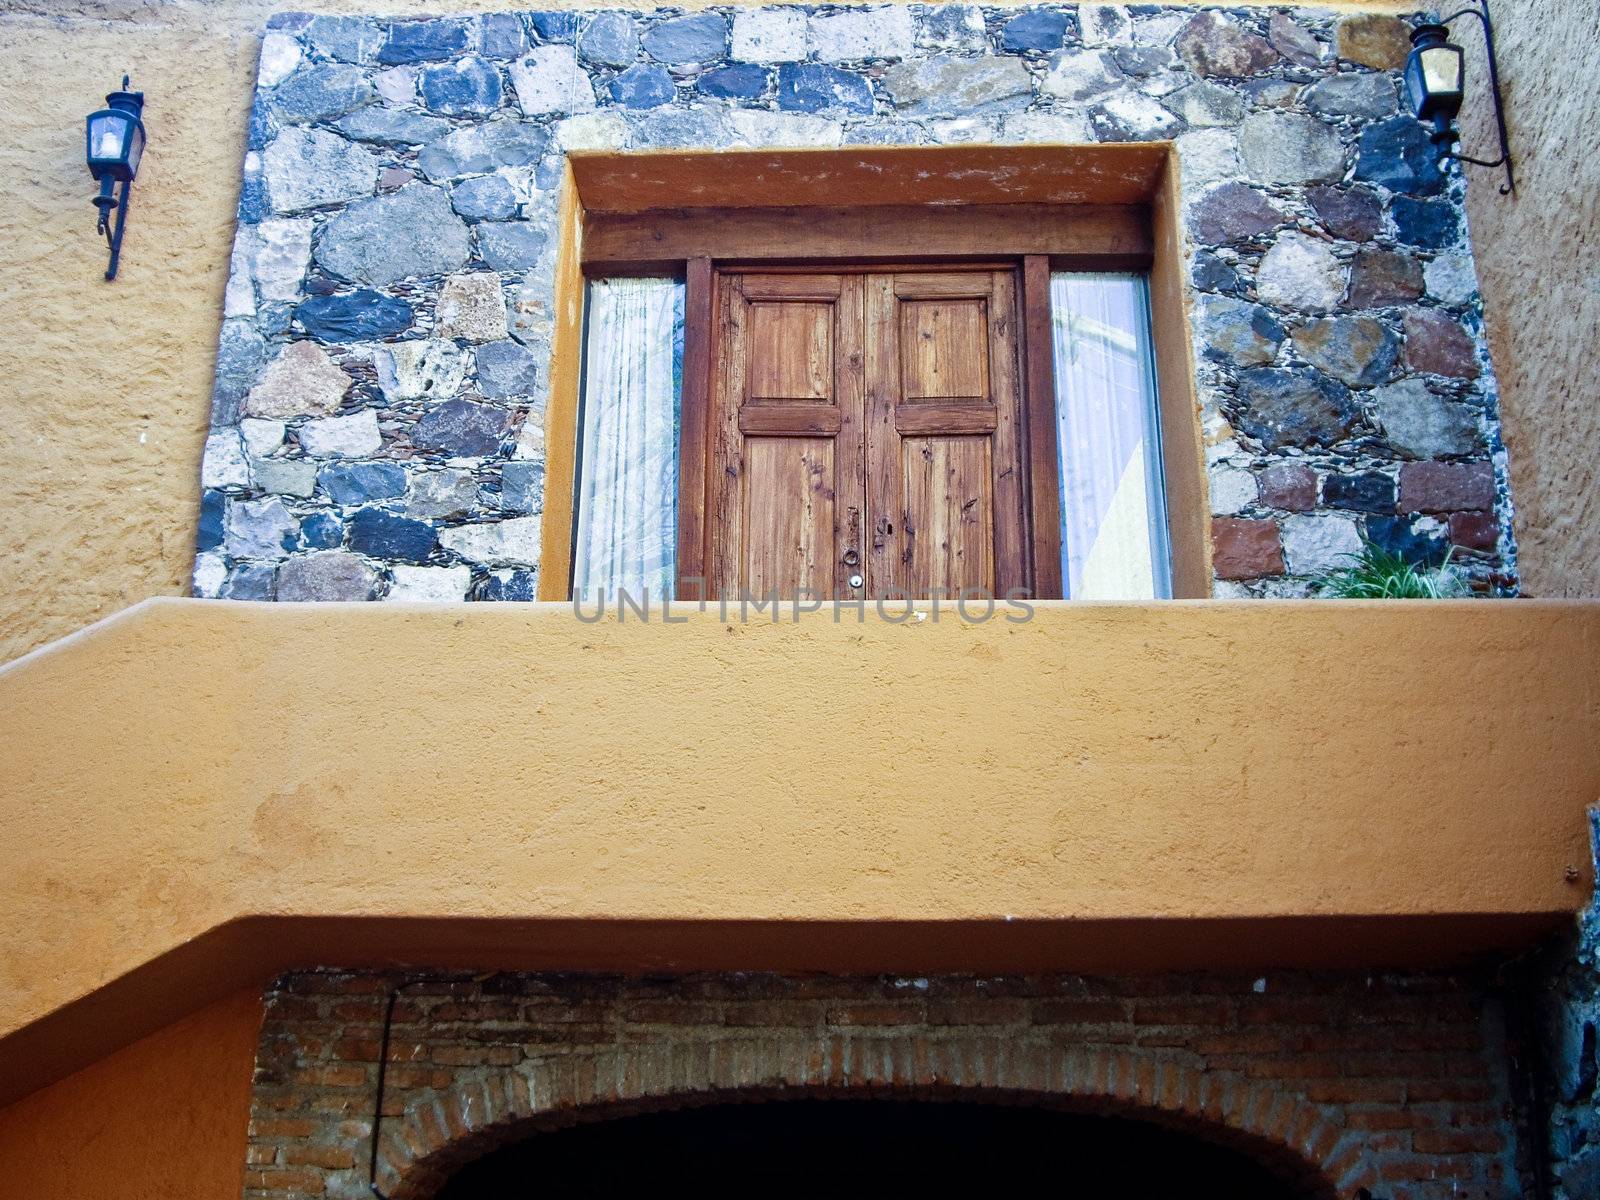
{"points": [[788, 509], [786, 474], [949, 515], [946, 484], [791, 352], [944, 350]]}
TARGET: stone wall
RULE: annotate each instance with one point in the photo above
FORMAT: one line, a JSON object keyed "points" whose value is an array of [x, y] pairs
{"points": [[1341, 1083], [377, 427], [1567, 985]]}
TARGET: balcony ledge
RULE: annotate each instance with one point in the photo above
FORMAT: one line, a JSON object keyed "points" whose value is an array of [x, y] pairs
{"points": [[198, 795]]}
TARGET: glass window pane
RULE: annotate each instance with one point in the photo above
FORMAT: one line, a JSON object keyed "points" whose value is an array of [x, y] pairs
{"points": [[1113, 515], [626, 538]]}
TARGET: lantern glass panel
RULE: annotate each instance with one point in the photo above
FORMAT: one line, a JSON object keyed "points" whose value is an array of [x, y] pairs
{"points": [[1441, 70], [107, 133], [135, 149]]}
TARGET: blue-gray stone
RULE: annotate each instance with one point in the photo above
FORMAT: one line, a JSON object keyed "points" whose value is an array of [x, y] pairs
{"points": [[1397, 536], [466, 87], [255, 205], [1038, 29], [361, 243], [509, 585], [554, 26], [1211, 274], [433, 40], [510, 246], [385, 535], [321, 531], [462, 429], [273, 319], [701, 38], [611, 40], [321, 93], [362, 482], [742, 81], [501, 35], [392, 126], [484, 198], [262, 128], [251, 581], [1399, 154], [359, 316], [642, 86], [1294, 408], [240, 353], [212, 506], [1430, 223], [1370, 491], [478, 149], [521, 487], [344, 39], [810, 87], [506, 369]]}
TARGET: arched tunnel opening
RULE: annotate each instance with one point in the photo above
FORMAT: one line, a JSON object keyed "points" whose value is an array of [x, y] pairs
{"points": [[866, 1147]]}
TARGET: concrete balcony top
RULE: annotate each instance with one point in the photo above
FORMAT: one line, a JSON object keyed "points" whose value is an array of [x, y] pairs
{"points": [[196, 795]]}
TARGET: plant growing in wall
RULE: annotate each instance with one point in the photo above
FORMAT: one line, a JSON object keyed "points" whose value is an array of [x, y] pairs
{"points": [[1378, 574]]}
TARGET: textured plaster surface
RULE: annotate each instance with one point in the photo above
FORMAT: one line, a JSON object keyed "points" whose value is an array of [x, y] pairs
{"points": [[163, 1118], [1538, 254], [191, 763], [107, 385]]}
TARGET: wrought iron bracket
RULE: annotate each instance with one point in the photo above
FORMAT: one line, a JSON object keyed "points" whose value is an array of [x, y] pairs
{"points": [[1509, 187]]}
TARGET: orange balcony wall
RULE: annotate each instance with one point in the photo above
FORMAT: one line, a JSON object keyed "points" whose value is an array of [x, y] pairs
{"points": [[196, 795]]}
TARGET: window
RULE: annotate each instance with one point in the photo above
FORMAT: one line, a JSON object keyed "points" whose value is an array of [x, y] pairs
{"points": [[627, 526], [866, 435], [1113, 507]]}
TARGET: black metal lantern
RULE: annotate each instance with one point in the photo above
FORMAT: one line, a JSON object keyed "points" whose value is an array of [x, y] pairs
{"points": [[1435, 81], [114, 139]]}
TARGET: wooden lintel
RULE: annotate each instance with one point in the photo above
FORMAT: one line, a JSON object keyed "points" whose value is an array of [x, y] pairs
{"points": [[1087, 236]]}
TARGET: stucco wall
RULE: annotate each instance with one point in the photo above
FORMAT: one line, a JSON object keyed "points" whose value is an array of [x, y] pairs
{"points": [[1539, 257], [107, 385], [163, 1119], [201, 793]]}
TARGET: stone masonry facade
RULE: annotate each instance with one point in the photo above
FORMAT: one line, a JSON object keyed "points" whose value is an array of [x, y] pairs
{"points": [[377, 425], [1346, 1085]]}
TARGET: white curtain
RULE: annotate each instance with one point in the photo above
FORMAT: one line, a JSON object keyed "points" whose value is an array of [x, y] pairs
{"points": [[627, 531], [1113, 514]]}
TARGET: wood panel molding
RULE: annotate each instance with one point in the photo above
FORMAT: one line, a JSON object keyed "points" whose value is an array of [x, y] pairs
{"points": [[1099, 237]]}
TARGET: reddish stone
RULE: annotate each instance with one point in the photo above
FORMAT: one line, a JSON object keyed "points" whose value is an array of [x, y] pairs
{"points": [[1474, 530], [1244, 549], [1437, 345], [392, 179], [1289, 486], [1439, 487], [1379, 278], [1351, 213]]}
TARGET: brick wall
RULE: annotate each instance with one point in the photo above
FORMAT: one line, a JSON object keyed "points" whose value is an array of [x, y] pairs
{"points": [[1391, 1086]]}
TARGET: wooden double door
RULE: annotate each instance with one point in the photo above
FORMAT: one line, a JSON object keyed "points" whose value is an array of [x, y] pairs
{"points": [[865, 435]]}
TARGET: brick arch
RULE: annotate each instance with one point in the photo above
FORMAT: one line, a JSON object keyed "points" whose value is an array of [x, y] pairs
{"points": [[1303, 1142]]}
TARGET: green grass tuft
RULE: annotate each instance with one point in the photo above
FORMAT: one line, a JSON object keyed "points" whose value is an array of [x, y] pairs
{"points": [[1376, 574]]}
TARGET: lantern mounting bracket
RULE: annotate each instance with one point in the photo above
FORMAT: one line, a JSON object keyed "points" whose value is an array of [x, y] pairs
{"points": [[1509, 187]]}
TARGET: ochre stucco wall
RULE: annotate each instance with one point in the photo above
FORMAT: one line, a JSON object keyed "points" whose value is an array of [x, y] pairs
{"points": [[163, 1119], [499, 785], [1538, 255], [107, 386]]}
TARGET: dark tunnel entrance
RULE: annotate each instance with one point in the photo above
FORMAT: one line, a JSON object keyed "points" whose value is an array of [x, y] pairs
{"points": [[865, 1148]]}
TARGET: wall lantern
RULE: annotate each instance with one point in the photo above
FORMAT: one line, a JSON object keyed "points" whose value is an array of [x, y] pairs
{"points": [[1435, 77], [115, 138]]}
